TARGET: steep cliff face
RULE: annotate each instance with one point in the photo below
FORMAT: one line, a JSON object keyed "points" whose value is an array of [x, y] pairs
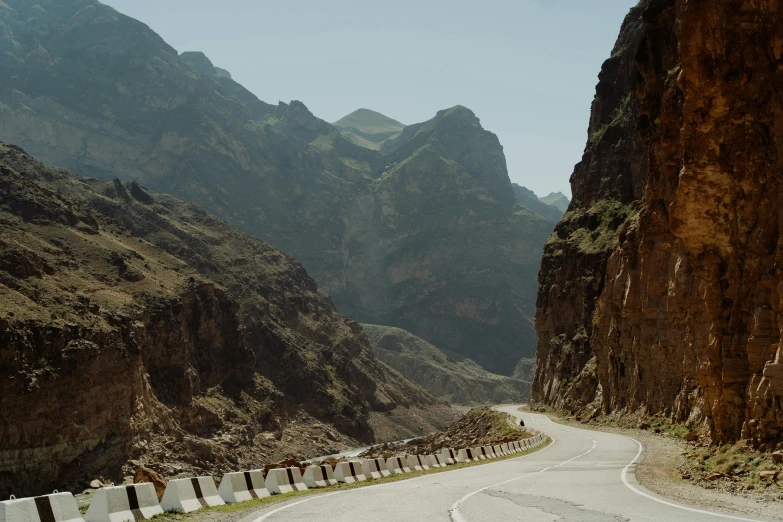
{"points": [[423, 235], [135, 327], [687, 323], [606, 188], [444, 251]]}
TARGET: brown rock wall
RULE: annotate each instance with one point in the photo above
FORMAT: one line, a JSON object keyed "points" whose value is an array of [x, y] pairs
{"points": [[688, 322]]}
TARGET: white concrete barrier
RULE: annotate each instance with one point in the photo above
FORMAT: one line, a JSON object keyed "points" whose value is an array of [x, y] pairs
{"points": [[284, 480], [122, 503], [349, 472], [498, 451], [319, 476], [506, 448], [416, 463], [382, 467], [397, 465], [487, 452], [189, 494], [374, 468], [449, 456], [477, 455], [242, 486], [57, 507], [467, 455], [433, 461]]}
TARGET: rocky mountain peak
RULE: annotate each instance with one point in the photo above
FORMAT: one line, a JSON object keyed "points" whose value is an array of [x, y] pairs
{"points": [[556, 199], [297, 119], [368, 120], [527, 198], [458, 115], [199, 62], [418, 228], [368, 129]]}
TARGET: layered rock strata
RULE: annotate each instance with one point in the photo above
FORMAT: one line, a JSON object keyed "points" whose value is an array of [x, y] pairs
{"points": [[685, 320]]}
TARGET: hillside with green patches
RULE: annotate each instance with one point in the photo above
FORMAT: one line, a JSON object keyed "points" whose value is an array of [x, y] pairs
{"points": [[424, 234], [456, 381], [135, 326]]}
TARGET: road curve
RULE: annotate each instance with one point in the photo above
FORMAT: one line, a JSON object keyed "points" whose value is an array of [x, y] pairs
{"points": [[583, 475]]}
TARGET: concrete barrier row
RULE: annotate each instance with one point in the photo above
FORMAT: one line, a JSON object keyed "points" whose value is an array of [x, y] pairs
{"points": [[139, 501], [397, 465], [319, 476], [374, 468], [242, 486], [286, 480], [58, 507], [349, 472], [122, 503], [190, 494]]}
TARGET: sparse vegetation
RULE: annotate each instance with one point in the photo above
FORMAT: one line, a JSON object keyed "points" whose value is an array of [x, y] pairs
{"points": [[260, 503]]}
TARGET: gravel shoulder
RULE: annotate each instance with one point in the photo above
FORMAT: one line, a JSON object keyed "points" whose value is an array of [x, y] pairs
{"points": [[660, 472]]}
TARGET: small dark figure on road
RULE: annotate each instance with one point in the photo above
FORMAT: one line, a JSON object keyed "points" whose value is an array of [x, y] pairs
{"points": [[522, 423]]}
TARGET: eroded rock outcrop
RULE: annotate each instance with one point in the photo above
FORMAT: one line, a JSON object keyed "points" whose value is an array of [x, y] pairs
{"points": [[136, 329], [686, 317]]}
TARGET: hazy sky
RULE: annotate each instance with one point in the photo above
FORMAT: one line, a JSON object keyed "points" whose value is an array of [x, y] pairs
{"points": [[527, 68]]}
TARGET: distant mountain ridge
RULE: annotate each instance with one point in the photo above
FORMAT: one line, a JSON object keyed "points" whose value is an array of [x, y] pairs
{"points": [[557, 199], [459, 382], [425, 234], [368, 128], [528, 198]]}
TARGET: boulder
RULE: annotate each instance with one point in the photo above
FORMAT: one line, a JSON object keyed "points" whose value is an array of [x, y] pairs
{"points": [[287, 463], [147, 475], [777, 457], [691, 436], [771, 476]]}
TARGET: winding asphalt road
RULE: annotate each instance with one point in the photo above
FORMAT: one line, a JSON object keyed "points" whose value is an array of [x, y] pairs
{"points": [[583, 475]]}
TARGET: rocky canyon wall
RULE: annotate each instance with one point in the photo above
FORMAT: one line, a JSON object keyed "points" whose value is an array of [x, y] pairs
{"points": [[135, 328], [686, 319], [425, 236]]}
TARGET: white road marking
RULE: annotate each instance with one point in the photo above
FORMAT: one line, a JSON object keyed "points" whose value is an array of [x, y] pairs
{"points": [[454, 511], [624, 477], [365, 488]]}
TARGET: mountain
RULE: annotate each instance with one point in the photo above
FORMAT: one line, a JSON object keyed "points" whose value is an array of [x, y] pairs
{"points": [[135, 327], [459, 382], [674, 232], [368, 129], [424, 235], [558, 200], [528, 198]]}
